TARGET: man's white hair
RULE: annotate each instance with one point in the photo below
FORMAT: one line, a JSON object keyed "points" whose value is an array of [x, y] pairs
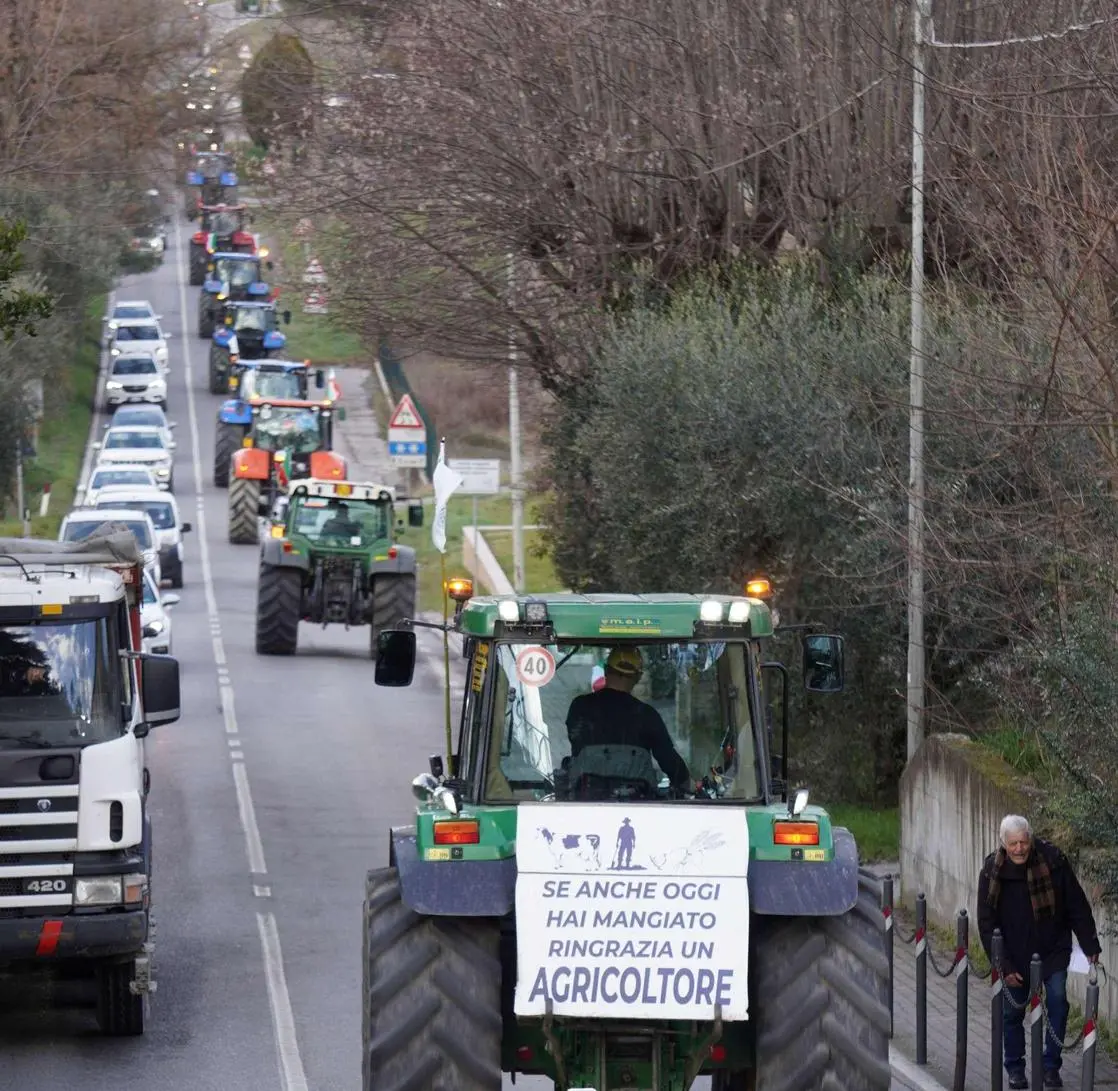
{"points": [[1011, 824]]}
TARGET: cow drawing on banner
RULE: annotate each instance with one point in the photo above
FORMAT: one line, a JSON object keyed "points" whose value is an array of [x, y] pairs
{"points": [[573, 850]]}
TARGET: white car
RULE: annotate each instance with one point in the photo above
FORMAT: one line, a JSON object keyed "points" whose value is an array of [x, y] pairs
{"points": [[139, 337], [155, 617], [135, 379], [82, 522], [144, 444], [129, 416], [127, 310], [106, 477], [163, 511]]}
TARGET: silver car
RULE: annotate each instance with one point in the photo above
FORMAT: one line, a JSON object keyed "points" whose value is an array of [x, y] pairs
{"points": [[140, 337], [163, 511], [135, 379], [140, 444]]}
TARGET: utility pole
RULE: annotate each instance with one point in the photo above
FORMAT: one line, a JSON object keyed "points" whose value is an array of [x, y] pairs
{"points": [[921, 13], [19, 489], [514, 451]]}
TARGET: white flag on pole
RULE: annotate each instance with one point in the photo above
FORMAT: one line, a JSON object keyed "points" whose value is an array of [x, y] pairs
{"points": [[445, 481]]}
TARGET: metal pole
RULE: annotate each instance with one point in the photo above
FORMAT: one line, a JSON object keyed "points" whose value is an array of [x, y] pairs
{"points": [[514, 453], [887, 913], [921, 980], [19, 489], [915, 712], [962, 975], [1090, 1030], [1036, 1023], [997, 1004]]}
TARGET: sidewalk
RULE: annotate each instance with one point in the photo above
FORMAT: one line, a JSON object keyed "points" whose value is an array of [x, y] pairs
{"points": [[359, 436], [941, 1024]]}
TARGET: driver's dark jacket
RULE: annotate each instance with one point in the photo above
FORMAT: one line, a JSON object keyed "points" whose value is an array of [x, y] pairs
{"points": [[340, 528], [610, 717]]}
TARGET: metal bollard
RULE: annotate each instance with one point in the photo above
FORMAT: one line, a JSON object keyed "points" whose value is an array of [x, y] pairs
{"points": [[887, 915], [1090, 1030], [921, 979], [962, 974], [1034, 1019], [997, 1003]]}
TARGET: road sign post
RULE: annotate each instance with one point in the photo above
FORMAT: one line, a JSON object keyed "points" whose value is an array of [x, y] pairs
{"points": [[407, 435]]}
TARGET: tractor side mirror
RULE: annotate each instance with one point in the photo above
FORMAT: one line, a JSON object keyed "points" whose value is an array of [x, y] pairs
{"points": [[395, 657], [415, 513], [287, 318], [823, 664]]}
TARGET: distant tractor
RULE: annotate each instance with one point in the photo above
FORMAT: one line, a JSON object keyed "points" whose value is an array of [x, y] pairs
{"points": [[213, 176], [331, 559], [287, 440], [223, 229], [255, 381], [249, 331], [230, 278]]}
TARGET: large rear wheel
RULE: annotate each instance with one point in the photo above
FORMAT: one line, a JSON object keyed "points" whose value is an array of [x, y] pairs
{"points": [[227, 439], [279, 595], [821, 989], [244, 511], [393, 601], [432, 996], [219, 370], [205, 321]]}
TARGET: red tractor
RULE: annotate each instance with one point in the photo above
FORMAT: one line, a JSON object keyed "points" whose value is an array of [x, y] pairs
{"points": [[287, 439], [224, 229]]}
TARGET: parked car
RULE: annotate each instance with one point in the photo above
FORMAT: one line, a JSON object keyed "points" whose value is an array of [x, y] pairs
{"points": [[127, 310], [155, 617], [140, 336], [82, 522], [135, 379], [143, 444], [102, 477], [163, 511]]}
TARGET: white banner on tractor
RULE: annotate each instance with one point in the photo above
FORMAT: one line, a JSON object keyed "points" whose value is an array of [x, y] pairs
{"points": [[632, 911]]}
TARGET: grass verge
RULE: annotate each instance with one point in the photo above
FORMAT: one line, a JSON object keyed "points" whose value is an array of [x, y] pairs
{"points": [[64, 432], [539, 572], [877, 832]]}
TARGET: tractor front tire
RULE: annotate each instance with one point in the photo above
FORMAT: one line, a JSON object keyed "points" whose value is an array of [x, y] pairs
{"points": [[432, 996], [205, 322], [393, 600], [197, 265], [226, 442], [821, 990], [244, 511], [279, 596]]}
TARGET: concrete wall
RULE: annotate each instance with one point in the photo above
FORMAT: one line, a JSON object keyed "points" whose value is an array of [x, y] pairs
{"points": [[954, 795], [482, 564]]}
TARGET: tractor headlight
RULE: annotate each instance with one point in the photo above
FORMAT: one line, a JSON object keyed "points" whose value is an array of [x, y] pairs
{"points": [[508, 610], [738, 613], [710, 610], [99, 890]]}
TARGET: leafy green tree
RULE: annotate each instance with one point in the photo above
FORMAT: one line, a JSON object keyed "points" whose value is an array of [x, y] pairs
{"points": [[277, 93], [20, 306]]}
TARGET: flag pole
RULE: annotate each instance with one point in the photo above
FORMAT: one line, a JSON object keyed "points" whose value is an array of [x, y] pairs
{"points": [[446, 665]]}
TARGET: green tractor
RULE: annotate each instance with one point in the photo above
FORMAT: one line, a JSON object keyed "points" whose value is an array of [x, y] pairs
{"points": [[330, 559], [611, 883]]}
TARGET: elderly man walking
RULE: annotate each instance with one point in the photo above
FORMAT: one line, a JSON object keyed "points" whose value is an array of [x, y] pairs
{"points": [[1029, 890]]}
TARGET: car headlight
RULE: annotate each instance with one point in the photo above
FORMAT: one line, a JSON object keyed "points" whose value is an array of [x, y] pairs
{"points": [[114, 386], [99, 890], [114, 352], [154, 628], [112, 325], [162, 471]]}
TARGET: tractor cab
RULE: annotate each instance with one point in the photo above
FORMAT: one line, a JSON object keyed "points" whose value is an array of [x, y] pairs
{"points": [[215, 177], [227, 277], [225, 228], [267, 380], [251, 331]]}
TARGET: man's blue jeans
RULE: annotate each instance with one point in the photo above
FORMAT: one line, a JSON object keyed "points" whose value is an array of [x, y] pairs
{"points": [[1013, 1020]]}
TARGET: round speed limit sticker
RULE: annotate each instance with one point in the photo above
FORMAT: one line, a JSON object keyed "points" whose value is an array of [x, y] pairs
{"points": [[535, 666]]}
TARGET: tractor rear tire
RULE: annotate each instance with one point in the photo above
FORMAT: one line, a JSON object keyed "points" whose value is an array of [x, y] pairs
{"points": [[121, 1013], [393, 600], [226, 442], [197, 265], [821, 989], [432, 996], [205, 322], [244, 511], [219, 380], [279, 597]]}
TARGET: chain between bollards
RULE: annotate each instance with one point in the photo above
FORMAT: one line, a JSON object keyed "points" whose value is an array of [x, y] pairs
{"points": [[997, 1001], [921, 980], [962, 946]]}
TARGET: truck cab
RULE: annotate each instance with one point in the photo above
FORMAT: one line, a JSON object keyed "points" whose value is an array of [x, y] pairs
{"points": [[78, 698]]}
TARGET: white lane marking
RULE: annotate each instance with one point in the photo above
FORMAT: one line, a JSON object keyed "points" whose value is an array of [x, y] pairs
{"points": [[291, 1064], [292, 1074], [237, 755]]}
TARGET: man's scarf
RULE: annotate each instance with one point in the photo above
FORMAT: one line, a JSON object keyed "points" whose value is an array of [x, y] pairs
{"points": [[1038, 876]]}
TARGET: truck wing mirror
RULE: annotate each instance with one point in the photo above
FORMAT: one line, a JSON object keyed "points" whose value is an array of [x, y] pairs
{"points": [[159, 687], [395, 657], [823, 664]]}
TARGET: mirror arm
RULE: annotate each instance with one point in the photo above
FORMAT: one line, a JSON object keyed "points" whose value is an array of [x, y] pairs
{"points": [[407, 623]]}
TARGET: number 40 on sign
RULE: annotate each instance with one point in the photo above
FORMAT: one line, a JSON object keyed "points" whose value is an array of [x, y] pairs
{"points": [[535, 666]]}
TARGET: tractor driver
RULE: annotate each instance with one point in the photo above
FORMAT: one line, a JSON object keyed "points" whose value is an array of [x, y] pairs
{"points": [[612, 716], [339, 524]]}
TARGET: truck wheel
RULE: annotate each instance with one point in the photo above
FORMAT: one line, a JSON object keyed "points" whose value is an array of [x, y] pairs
{"points": [[393, 600], [432, 996], [120, 1012], [244, 510], [226, 442], [821, 989], [279, 596], [174, 574], [205, 322]]}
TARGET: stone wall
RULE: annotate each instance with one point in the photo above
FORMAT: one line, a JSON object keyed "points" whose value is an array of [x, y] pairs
{"points": [[953, 796]]}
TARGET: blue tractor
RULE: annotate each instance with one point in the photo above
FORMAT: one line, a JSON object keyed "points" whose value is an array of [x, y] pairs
{"points": [[230, 278], [248, 331], [254, 381], [214, 175]]}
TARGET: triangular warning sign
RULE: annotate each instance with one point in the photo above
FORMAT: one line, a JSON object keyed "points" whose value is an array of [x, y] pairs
{"points": [[406, 415]]}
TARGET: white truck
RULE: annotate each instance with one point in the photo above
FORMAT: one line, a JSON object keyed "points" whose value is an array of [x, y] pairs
{"points": [[77, 699]]}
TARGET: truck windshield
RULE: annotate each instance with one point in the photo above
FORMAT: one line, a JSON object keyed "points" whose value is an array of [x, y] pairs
{"points": [[351, 523], [59, 685], [635, 721]]}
